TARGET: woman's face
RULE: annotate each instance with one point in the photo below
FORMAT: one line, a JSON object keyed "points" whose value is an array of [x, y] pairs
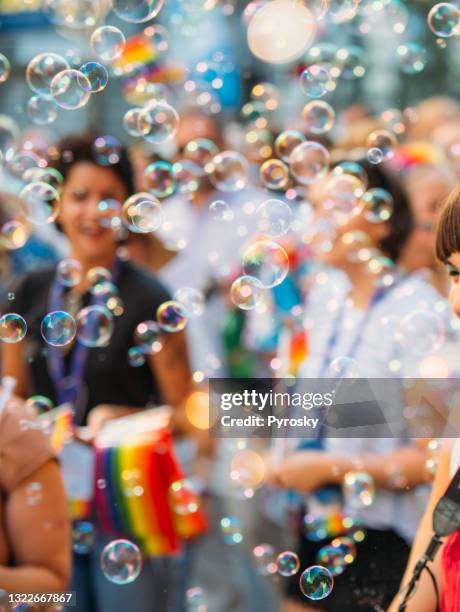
{"points": [[86, 185], [453, 266]]}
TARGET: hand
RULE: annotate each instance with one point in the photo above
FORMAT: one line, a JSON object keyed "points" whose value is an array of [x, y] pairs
{"points": [[307, 471], [99, 416]]}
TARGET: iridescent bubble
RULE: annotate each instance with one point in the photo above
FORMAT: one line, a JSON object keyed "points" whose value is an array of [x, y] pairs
{"points": [[351, 168], [394, 120], [96, 75], [265, 559], [158, 37], [183, 497], [309, 162], [158, 122], [286, 142], [383, 140], [186, 175], [332, 559], [274, 218], [41, 111], [267, 261], [107, 150], [412, 58], [349, 63], [103, 292], [109, 213], [137, 11], [201, 151], [13, 328], [346, 546], [316, 582], [274, 174], [95, 326], [44, 175], [246, 292], [70, 89], [171, 316], [358, 489], [136, 357], [148, 337], [342, 197], [258, 144], [196, 599], [98, 275], [220, 211], [13, 235], [58, 328], [83, 537], [142, 214], [230, 527], [39, 404], [34, 493], [192, 300], [228, 171], [74, 13], [121, 561], [159, 180], [341, 11], [288, 563], [421, 332], [69, 272], [316, 81], [4, 68], [133, 123], [443, 19], [19, 163], [267, 94], [378, 205], [375, 156], [315, 527], [108, 43], [42, 69], [318, 117], [39, 203]]}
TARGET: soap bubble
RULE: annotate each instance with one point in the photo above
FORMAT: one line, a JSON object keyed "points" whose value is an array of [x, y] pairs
{"points": [[136, 357], [137, 11], [70, 89], [159, 180], [158, 122], [421, 332], [69, 272], [196, 600], [349, 63], [83, 537], [171, 316], [342, 197], [220, 211], [51, 176], [19, 163], [39, 404], [95, 326], [274, 174], [443, 19], [332, 559], [316, 582], [309, 162], [267, 261], [108, 43], [4, 68], [341, 11], [229, 171], [318, 117], [121, 561], [286, 142], [148, 337], [274, 218], [288, 563], [13, 235], [39, 203], [142, 214], [96, 75], [42, 69], [384, 140], [377, 205], [201, 151], [358, 489], [75, 14], [316, 81], [183, 497], [265, 559], [186, 175], [41, 111], [231, 530], [109, 213], [107, 150], [58, 328], [98, 275], [375, 156], [13, 328], [133, 123], [412, 58], [192, 300], [246, 292]]}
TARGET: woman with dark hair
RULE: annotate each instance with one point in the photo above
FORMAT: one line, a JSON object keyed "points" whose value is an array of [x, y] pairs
{"points": [[99, 381], [353, 317]]}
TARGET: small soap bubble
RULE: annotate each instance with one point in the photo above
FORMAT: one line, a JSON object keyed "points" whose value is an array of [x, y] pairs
{"points": [[121, 562], [228, 171], [95, 326], [246, 292], [288, 563], [83, 537], [136, 357], [192, 300], [58, 328], [196, 600], [69, 272], [171, 316], [267, 261], [316, 582], [231, 530], [265, 559], [359, 489], [41, 111], [13, 328], [108, 42]]}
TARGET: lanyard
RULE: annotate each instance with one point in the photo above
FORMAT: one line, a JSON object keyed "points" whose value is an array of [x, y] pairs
{"points": [[68, 387]]}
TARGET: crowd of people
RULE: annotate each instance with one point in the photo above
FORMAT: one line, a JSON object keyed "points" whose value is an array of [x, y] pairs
{"points": [[367, 265]]}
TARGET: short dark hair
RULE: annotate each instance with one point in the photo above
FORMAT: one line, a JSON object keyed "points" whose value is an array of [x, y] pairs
{"points": [[448, 227], [80, 148], [401, 222]]}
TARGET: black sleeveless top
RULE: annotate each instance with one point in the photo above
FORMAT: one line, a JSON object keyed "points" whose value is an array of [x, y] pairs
{"points": [[108, 378]]}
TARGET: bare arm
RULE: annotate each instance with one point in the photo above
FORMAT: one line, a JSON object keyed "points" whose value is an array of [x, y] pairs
{"points": [[39, 535], [14, 364], [424, 599]]}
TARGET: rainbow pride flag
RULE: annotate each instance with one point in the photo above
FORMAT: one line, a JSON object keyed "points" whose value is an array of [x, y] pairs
{"points": [[57, 424], [136, 464]]}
